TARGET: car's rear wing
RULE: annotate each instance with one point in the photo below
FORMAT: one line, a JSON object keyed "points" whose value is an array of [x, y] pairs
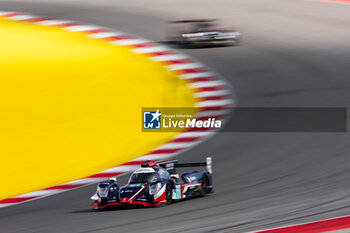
{"points": [[173, 164]]}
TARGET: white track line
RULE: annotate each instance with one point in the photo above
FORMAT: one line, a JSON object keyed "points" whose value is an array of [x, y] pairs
{"points": [[207, 84], [22, 17], [212, 93], [5, 205], [174, 57], [88, 180], [41, 193], [153, 49], [177, 145], [130, 42], [156, 156], [197, 75], [123, 168], [214, 103], [184, 66], [101, 35], [194, 134], [212, 113], [8, 12], [54, 22], [82, 28]]}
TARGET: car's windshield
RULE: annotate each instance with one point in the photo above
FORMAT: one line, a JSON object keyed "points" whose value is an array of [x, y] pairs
{"points": [[139, 178], [202, 27]]}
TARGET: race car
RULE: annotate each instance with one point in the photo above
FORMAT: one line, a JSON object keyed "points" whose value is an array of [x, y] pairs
{"points": [[155, 184], [202, 32]]}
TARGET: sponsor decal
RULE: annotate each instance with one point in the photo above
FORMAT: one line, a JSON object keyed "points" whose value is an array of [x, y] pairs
{"points": [[177, 192], [169, 166], [190, 178], [176, 120], [134, 185]]}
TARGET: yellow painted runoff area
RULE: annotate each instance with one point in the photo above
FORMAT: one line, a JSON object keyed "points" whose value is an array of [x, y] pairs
{"points": [[71, 105]]}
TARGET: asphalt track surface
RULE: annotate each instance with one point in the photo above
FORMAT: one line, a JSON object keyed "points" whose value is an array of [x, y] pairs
{"points": [[294, 54]]}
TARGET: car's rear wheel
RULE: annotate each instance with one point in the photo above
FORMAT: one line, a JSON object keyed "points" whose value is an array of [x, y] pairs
{"points": [[203, 189], [168, 194]]}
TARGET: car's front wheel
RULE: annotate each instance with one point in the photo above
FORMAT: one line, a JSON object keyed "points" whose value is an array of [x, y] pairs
{"points": [[168, 194]]}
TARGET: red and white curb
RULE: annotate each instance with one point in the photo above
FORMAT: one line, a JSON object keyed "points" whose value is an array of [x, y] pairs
{"points": [[343, 2], [213, 95], [331, 225]]}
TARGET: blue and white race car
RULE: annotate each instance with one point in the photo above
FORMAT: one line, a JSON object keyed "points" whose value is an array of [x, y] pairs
{"points": [[155, 184]]}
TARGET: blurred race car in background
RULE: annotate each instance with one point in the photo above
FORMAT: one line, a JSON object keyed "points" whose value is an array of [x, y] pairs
{"points": [[155, 184], [202, 32]]}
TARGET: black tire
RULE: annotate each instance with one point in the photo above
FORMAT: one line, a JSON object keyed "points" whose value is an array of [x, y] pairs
{"points": [[204, 187], [168, 194]]}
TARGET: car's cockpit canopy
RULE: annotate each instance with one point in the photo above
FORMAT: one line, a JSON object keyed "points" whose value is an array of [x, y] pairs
{"points": [[148, 175], [199, 25]]}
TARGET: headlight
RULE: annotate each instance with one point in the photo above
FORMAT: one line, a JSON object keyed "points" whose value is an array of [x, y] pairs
{"points": [[95, 197], [153, 189]]}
